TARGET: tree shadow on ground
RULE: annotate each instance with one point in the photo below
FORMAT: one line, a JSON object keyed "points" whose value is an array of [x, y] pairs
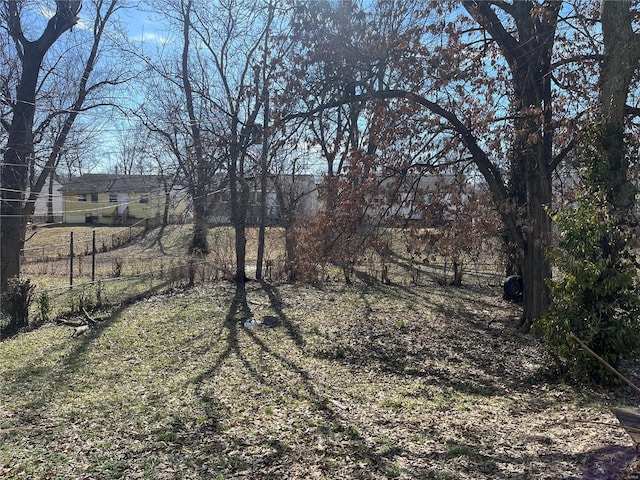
{"points": [[56, 377], [333, 419], [609, 463], [459, 344], [157, 241], [84, 341], [276, 304], [238, 311]]}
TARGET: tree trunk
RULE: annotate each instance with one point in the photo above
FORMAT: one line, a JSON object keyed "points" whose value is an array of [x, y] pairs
{"points": [[199, 244], [529, 57], [536, 269], [239, 202], [622, 55], [18, 156], [165, 209], [263, 182]]}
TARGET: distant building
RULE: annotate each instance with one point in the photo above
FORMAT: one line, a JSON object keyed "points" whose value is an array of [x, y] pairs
{"points": [[405, 199], [288, 197], [41, 211], [120, 200]]}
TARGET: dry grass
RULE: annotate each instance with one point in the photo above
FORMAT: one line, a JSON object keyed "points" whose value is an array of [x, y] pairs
{"points": [[360, 382]]}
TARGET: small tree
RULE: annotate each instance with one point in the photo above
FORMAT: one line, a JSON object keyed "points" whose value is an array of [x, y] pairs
{"points": [[596, 299], [340, 235]]}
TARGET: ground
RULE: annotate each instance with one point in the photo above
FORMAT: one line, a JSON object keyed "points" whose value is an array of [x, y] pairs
{"points": [[295, 382]]}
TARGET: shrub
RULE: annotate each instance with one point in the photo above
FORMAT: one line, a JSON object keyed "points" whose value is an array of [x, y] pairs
{"points": [[44, 307], [596, 298], [16, 300], [117, 267]]}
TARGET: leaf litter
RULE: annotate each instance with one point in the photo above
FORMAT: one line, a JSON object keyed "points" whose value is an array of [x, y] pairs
{"points": [[357, 382]]}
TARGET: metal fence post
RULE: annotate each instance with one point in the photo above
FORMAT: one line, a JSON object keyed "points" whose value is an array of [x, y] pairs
{"points": [[93, 257], [71, 260]]}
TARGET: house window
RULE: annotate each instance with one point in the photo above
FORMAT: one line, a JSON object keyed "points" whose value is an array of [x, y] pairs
{"points": [[144, 198], [82, 197], [94, 198], [113, 198]]}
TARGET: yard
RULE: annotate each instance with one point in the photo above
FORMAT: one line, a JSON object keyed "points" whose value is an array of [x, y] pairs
{"points": [[281, 381]]}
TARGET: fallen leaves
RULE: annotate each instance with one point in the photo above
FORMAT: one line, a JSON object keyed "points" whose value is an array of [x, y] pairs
{"points": [[337, 388]]}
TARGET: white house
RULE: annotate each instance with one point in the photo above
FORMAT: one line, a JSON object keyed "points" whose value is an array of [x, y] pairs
{"points": [[41, 213]]}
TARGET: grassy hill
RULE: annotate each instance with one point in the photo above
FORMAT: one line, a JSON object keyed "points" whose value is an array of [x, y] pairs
{"points": [[296, 382]]}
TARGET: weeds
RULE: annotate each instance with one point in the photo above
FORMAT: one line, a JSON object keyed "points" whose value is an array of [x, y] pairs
{"points": [[14, 304], [43, 307]]}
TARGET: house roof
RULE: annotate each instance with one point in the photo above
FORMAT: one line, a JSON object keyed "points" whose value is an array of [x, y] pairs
{"points": [[102, 182]]}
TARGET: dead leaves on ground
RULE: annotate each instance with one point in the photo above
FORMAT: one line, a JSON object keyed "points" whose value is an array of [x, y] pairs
{"points": [[327, 383]]}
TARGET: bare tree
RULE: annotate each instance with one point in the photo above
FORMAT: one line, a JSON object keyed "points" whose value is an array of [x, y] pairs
{"points": [[220, 82], [174, 113], [130, 150], [18, 154], [232, 33]]}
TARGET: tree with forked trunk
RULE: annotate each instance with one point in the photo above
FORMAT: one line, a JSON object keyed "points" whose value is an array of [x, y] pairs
{"points": [[24, 173], [18, 153]]}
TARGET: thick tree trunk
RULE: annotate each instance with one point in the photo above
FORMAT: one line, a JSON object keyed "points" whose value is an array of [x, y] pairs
{"points": [[622, 55], [529, 57], [239, 202], [18, 155], [536, 270], [199, 244], [17, 158]]}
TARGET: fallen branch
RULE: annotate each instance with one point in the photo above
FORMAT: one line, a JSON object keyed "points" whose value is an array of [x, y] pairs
{"points": [[605, 363], [79, 331], [338, 404], [80, 327], [90, 319], [68, 323]]}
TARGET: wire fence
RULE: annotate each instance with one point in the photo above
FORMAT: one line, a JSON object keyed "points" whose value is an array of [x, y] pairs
{"points": [[93, 271], [118, 289]]}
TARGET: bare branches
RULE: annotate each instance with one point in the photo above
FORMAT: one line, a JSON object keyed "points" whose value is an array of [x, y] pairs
{"points": [[485, 16], [15, 27]]}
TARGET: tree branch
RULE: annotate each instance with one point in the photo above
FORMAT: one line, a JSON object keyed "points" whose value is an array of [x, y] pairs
{"points": [[65, 18], [578, 59], [559, 158], [489, 171], [633, 111], [482, 13], [15, 28]]}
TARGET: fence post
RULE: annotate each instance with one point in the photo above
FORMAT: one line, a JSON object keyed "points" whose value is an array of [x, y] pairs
{"points": [[93, 257], [71, 260]]}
